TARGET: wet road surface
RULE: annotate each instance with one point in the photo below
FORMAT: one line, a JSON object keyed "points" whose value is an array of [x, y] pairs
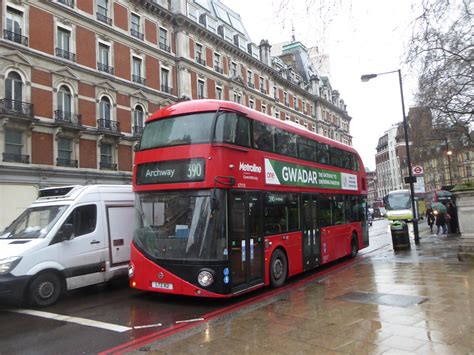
{"points": [[98, 318]]}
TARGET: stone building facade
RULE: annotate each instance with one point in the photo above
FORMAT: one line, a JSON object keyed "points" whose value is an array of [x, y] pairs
{"points": [[78, 79]]}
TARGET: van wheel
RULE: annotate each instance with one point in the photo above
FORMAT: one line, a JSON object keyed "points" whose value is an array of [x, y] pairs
{"points": [[354, 246], [45, 290], [278, 268]]}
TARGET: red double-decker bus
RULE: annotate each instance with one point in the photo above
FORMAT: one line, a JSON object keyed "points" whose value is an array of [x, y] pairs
{"points": [[229, 199]]}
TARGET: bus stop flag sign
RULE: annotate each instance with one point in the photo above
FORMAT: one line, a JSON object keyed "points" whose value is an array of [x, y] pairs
{"points": [[417, 170]]}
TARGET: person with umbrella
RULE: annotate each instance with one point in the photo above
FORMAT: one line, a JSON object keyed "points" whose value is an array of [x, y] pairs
{"points": [[430, 217], [453, 218], [440, 213]]}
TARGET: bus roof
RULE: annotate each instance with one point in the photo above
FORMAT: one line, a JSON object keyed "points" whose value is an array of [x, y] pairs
{"points": [[206, 105]]}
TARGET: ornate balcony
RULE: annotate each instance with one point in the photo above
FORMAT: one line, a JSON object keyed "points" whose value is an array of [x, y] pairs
{"points": [[69, 3], [165, 47], [108, 126], [16, 158], [138, 79], [107, 166], [15, 37], [166, 89], [105, 68], [103, 18], [70, 163], [17, 108], [65, 54], [136, 34], [200, 60], [137, 131], [68, 118]]}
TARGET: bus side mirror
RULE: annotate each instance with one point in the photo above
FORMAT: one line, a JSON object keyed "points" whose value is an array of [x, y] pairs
{"points": [[65, 233]]}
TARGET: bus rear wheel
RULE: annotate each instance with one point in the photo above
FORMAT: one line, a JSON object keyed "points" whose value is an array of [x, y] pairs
{"points": [[278, 268], [354, 246]]}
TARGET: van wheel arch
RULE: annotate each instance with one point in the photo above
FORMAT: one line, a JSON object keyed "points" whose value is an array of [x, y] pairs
{"points": [[45, 288]]}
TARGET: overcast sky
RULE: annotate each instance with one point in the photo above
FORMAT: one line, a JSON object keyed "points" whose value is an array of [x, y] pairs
{"points": [[360, 37]]}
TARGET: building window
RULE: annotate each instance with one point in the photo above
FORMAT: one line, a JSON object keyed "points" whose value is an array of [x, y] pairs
{"points": [[199, 56], [201, 89], [275, 93], [138, 119], [103, 12], [262, 85], [137, 71], [106, 157], [285, 99], [264, 108], [165, 80], [277, 114], [233, 69], [250, 82], [65, 101], [14, 27], [135, 27], [14, 147], [63, 49], [65, 153], [217, 63], [104, 59], [219, 93], [105, 111], [14, 87], [251, 104], [295, 103], [164, 40]]}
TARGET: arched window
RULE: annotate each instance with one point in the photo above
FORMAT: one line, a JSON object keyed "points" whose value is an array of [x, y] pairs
{"points": [[14, 87], [105, 109], [65, 101]]}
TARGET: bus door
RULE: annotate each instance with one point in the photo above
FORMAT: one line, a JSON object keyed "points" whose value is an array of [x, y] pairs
{"points": [[246, 245], [311, 234]]}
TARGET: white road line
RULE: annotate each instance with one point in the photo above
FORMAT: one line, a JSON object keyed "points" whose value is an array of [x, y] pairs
{"points": [[189, 320], [82, 321], [147, 326]]}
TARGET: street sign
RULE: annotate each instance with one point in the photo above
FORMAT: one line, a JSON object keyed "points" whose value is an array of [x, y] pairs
{"points": [[417, 170], [419, 185]]}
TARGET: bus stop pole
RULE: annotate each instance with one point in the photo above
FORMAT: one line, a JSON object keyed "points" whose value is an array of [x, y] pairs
{"points": [[410, 174]]}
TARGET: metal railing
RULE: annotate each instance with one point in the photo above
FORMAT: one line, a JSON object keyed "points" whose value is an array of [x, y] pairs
{"points": [[15, 37], [16, 158], [263, 91], [105, 68], [138, 79], [16, 107], [137, 131], [104, 19], [218, 69], [165, 47], [107, 166], [251, 85], [71, 163], [65, 54], [69, 3], [136, 34], [166, 89], [108, 125], [200, 61], [68, 118]]}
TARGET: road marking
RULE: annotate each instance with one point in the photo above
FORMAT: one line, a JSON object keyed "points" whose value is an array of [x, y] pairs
{"points": [[147, 326], [189, 320], [81, 321]]}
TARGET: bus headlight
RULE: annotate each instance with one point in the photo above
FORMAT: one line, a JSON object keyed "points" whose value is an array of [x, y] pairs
{"points": [[205, 278], [8, 264]]}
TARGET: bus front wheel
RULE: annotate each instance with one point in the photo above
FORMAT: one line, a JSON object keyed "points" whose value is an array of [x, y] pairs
{"points": [[354, 245], [278, 268]]}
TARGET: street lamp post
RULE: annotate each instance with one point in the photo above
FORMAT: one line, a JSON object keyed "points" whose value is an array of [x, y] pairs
{"points": [[411, 179]]}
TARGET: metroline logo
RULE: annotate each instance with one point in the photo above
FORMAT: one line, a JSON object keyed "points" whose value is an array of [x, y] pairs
{"points": [[254, 168], [281, 173]]}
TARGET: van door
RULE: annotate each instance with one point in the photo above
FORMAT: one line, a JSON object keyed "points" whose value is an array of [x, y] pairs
{"points": [[83, 256], [120, 220]]}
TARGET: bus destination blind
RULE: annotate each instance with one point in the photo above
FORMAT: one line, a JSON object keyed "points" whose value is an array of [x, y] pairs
{"points": [[163, 172]]}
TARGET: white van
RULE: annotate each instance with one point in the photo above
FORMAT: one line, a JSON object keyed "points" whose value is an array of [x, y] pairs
{"points": [[70, 237]]}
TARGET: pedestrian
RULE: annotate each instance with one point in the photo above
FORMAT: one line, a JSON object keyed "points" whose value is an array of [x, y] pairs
{"points": [[453, 218], [430, 218], [441, 222]]}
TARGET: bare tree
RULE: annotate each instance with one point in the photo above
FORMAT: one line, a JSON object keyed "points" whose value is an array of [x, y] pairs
{"points": [[442, 49]]}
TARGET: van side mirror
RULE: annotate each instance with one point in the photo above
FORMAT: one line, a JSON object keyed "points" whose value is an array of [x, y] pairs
{"points": [[66, 231]]}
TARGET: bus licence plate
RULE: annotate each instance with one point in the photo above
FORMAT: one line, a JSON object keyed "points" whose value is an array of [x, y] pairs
{"points": [[162, 285]]}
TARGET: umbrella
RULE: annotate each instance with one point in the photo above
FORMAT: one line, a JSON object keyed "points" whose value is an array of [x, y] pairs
{"points": [[438, 206]]}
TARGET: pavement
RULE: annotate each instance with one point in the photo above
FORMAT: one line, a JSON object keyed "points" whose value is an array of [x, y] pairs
{"points": [[418, 301]]}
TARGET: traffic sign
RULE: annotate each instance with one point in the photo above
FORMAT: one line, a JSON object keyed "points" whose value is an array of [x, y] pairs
{"points": [[417, 170]]}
